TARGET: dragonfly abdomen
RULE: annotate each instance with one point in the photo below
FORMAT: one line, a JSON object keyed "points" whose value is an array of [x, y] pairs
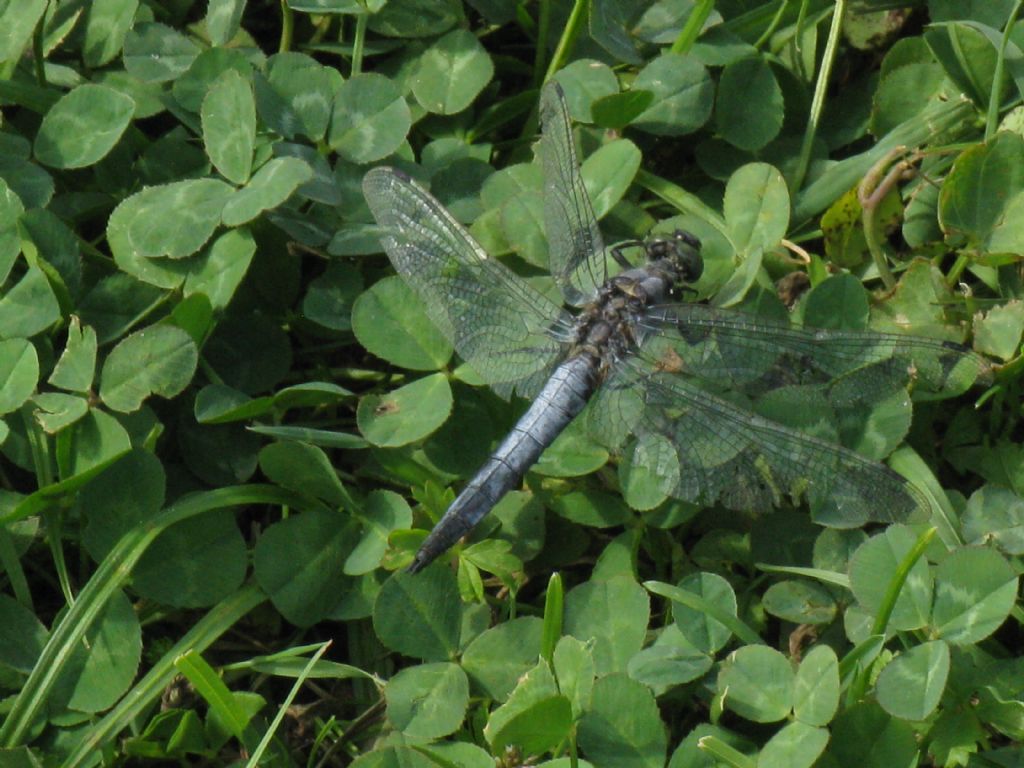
{"points": [[564, 395]]}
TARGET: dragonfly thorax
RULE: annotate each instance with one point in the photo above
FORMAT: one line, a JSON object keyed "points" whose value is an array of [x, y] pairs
{"points": [[607, 328]]}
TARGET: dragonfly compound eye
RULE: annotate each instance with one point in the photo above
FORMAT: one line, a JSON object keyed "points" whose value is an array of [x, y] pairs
{"points": [[687, 256], [688, 238]]}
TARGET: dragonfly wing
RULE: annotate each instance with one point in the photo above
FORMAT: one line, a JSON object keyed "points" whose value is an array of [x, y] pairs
{"points": [[496, 321], [575, 247], [754, 354], [721, 453]]}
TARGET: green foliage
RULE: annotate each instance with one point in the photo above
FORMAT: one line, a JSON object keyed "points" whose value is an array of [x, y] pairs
{"points": [[81, 128], [222, 418]]}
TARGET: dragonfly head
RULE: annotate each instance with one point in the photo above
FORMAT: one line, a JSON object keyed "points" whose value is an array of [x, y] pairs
{"points": [[682, 250]]}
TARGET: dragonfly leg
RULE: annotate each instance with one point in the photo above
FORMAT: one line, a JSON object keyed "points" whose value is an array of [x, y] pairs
{"points": [[620, 257]]}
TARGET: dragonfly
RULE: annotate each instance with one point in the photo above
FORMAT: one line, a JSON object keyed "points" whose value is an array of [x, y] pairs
{"points": [[668, 383]]}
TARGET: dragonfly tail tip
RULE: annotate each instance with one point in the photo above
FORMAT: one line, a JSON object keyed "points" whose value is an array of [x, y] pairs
{"points": [[418, 564]]}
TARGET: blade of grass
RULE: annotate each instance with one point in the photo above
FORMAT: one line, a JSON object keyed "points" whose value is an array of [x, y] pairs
{"points": [[217, 695], [937, 119], [818, 574], [772, 25], [723, 753], [992, 117], [257, 753], [680, 199], [690, 600], [358, 43], [567, 41], [287, 27], [865, 652], [694, 24], [543, 28], [909, 463], [107, 579], [820, 88], [552, 629], [10, 564], [899, 578], [892, 593], [215, 623]]}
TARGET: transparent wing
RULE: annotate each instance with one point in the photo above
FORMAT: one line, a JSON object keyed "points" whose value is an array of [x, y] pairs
{"points": [[753, 354], [576, 251], [712, 451], [497, 323]]}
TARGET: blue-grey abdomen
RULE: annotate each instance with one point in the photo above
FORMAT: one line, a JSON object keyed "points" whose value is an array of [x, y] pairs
{"points": [[562, 398]]}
